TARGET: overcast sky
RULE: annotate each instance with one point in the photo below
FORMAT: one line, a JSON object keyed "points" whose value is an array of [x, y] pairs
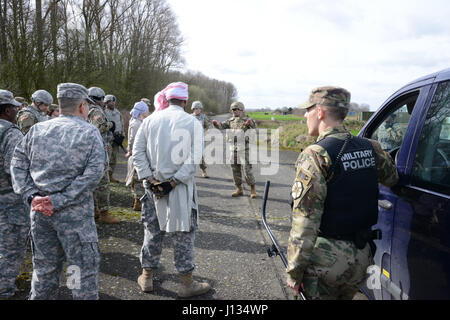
{"points": [[276, 51]]}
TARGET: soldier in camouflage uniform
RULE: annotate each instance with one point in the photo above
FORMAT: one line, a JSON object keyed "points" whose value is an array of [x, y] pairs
{"points": [[176, 212], [35, 113], [390, 134], [97, 118], [14, 217], [197, 108], [55, 168], [113, 115], [237, 125], [335, 201]]}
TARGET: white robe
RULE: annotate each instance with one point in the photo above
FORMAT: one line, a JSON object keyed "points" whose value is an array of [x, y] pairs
{"points": [[169, 144]]}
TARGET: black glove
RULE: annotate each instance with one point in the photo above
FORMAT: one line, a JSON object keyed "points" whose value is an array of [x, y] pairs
{"points": [[118, 138], [161, 189], [113, 128]]}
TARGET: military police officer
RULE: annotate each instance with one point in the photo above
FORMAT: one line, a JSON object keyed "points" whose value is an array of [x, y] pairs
{"points": [[97, 118], [335, 201], [113, 115], [14, 218], [55, 168], [237, 125], [197, 108], [36, 112]]}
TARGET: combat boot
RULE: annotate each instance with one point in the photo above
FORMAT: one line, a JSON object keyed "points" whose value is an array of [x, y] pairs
{"points": [[204, 174], [145, 280], [111, 179], [238, 192], [253, 191], [137, 204], [105, 217], [190, 287]]}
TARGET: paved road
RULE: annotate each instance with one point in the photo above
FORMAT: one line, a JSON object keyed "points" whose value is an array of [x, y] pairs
{"points": [[230, 248]]}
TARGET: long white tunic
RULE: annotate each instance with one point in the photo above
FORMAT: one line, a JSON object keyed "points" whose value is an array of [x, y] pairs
{"points": [[169, 144]]}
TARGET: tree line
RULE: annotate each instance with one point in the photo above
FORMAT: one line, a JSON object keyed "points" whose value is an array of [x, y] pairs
{"points": [[129, 48]]}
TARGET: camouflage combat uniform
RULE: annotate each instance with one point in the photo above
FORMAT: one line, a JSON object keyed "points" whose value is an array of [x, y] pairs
{"points": [[205, 124], [137, 188], [29, 116], [14, 216], [390, 136], [239, 151], [98, 119], [116, 117], [65, 159], [328, 268]]}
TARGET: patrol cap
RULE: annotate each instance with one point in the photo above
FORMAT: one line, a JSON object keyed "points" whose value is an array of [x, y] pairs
{"points": [[6, 97], [109, 97], [20, 99], [42, 96], [328, 96], [196, 105], [74, 91], [237, 105]]}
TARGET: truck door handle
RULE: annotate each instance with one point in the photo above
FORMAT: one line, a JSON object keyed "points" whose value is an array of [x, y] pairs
{"points": [[385, 204]]}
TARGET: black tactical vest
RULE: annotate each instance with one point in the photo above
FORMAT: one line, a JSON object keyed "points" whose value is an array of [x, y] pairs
{"points": [[351, 204]]}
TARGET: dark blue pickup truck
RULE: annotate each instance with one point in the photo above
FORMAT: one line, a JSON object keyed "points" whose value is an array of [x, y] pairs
{"points": [[412, 259]]}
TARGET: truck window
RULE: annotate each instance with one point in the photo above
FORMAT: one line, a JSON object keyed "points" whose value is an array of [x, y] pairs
{"points": [[431, 168], [391, 131]]}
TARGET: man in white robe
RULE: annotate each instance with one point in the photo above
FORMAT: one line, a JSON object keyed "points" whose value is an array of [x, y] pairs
{"points": [[169, 147]]}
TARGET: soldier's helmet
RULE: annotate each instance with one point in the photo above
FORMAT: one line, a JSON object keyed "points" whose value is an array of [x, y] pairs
{"points": [[237, 105], [196, 105], [42, 96], [147, 101], [109, 97], [96, 93]]}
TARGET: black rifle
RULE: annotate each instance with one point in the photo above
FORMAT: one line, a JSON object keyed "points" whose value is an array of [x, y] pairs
{"points": [[275, 249]]}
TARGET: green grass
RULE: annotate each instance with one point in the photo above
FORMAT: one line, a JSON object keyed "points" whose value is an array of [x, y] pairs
{"points": [[268, 116]]}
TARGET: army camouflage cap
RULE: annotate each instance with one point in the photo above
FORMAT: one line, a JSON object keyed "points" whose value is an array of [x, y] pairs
{"points": [[237, 105], [20, 99], [196, 105], [328, 96], [74, 91], [6, 97]]}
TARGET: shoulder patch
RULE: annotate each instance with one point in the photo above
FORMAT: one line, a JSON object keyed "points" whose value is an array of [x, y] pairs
{"points": [[301, 186]]}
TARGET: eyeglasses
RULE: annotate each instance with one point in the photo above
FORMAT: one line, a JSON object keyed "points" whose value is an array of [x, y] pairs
{"points": [[235, 109]]}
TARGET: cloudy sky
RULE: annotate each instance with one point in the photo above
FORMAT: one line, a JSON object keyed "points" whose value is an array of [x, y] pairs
{"points": [[276, 51]]}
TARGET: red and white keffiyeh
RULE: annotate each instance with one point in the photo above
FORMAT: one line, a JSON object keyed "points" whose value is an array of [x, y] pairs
{"points": [[175, 90]]}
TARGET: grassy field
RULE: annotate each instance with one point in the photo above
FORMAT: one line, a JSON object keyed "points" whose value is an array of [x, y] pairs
{"points": [[277, 117], [293, 130]]}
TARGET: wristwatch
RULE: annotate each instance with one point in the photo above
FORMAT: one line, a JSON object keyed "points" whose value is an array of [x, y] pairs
{"points": [[31, 197]]}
